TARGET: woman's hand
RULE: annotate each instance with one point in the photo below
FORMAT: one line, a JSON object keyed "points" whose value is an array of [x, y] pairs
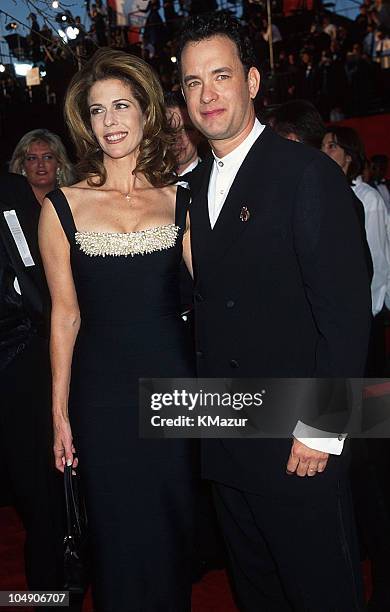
{"points": [[64, 449]]}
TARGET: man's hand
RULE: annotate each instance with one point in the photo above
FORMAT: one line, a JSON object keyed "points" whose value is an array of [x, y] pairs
{"points": [[304, 461]]}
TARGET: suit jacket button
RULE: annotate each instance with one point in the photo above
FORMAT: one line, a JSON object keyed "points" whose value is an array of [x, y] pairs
{"points": [[198, 297], [233, 363], [199, 354], [230, 303]]}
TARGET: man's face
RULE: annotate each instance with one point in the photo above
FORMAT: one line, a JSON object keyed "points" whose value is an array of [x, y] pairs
{"points": [[187, 136], [218, 93]]}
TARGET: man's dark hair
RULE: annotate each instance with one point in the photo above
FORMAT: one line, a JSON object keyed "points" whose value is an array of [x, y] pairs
{"points": [[174, 98], [299, 117], [221, 23], [349, 140]]}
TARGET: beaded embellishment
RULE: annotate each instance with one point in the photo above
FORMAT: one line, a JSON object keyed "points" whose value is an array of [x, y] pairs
{"points": [[132, 243]]}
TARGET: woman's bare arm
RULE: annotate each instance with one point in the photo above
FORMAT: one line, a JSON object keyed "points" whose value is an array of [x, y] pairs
{"points": [[65, 323]]}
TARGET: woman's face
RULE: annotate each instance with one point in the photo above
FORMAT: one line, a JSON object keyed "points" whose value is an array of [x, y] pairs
{"points": [[337, 153], [40, 166], [116, 118]]}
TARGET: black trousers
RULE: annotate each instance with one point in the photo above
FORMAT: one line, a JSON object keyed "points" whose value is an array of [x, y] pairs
{"points": [[26, 459], [292, 553]]}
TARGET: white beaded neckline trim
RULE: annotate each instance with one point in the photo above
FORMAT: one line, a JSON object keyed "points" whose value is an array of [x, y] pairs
{"points": [[118, 244]]}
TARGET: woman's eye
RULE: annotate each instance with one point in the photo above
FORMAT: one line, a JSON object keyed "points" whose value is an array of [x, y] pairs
{"points": [[48, 157], [121, 105], [30, 158], [95, 111]]}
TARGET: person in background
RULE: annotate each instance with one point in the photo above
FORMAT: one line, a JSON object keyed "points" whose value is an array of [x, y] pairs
{"points": [[345, 147], [27, 466], [299, 120], [41, 157], [370, 458], [378, 170], [25, 425], [187, 137]]}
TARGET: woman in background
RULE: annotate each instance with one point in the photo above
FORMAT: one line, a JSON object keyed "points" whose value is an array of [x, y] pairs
{"points": [[41, 157], [26, 456]]}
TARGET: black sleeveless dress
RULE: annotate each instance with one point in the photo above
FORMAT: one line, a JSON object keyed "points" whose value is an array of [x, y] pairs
{"points": [[139, 492]]}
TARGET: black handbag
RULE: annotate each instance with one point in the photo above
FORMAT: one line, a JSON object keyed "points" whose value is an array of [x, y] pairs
{"points": [[75, 541]]}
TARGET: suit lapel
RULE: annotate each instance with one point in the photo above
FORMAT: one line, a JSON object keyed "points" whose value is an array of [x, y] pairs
{"points": [[210, 245]]}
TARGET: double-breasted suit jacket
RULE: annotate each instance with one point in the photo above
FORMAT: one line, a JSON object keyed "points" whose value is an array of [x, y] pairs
{"points": [[281, 285]]}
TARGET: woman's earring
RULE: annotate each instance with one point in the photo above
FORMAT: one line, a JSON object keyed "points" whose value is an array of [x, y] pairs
{"points": [[23, 172], [58, 175]]}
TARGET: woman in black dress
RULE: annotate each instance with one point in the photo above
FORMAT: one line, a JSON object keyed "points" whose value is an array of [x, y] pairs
{"points": [[112, 247]]}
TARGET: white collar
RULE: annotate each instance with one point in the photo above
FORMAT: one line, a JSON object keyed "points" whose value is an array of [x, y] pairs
{"points": [[357, 181], [190, 167], [237, 156]]}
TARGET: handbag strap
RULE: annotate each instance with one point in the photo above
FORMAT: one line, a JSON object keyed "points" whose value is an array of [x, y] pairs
{"points": [[71, 504]]}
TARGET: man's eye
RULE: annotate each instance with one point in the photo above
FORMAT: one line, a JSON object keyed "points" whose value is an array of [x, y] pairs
{"points": [[222, 77], [192, 84]]}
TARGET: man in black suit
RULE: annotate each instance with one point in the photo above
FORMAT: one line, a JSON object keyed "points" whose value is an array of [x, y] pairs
{"points": [[281, 290], [25, 418]]}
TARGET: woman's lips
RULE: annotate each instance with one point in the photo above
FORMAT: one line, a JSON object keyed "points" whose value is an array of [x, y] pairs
{"points": [[115, 137]]}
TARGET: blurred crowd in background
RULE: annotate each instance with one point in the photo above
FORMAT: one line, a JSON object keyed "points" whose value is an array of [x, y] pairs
{"points": [[339, 64]]}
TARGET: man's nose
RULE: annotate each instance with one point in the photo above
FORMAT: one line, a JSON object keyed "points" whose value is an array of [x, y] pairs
{"points": [[208, 94]]}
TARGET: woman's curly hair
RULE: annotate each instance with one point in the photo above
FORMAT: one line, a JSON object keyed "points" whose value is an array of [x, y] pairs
{"points": [[156, 159]]}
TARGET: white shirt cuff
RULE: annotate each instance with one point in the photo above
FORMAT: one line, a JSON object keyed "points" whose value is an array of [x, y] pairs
{"points": [[310, 437]]}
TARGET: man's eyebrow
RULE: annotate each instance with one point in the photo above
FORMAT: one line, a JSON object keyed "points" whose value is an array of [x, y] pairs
{"points": [[223, 69], [189, 77]]}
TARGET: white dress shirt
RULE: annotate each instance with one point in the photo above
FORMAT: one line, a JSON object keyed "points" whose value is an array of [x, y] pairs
{"points": [[385, 193], [377, 230], [223, 173]]}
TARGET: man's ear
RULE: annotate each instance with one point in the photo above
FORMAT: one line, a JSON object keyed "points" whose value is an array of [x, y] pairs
{"points": [[253, 81]]}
